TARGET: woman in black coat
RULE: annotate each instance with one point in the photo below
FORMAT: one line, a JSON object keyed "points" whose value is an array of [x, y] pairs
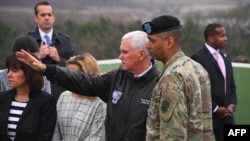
{"points": [[26, 112]]}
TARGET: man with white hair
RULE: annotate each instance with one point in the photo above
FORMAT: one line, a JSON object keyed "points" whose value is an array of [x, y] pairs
{"points": [[126, 90]]}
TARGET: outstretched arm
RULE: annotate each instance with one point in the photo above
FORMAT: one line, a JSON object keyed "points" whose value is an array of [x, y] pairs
{"points": [[75, 81], [30, 60]]}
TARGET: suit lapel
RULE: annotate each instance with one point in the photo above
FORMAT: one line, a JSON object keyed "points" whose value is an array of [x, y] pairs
{"points": [[212, 59], [225, 59], [227, 68]]}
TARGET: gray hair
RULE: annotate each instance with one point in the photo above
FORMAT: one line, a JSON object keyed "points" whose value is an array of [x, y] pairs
{"points": [[139, 40]]}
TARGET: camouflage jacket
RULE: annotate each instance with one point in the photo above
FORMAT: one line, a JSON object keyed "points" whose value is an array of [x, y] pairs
{"points": [[181, 106]]}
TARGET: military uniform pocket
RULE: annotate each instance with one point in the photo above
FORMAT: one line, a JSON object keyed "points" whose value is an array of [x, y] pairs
{"points": [[169, 99]]}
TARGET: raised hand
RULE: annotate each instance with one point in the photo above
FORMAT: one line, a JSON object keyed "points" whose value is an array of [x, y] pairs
{"points": [[30, 60], [43, 50], [223, 112]]}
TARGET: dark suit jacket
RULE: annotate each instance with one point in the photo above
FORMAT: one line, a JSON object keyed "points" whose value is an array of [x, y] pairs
{"points": [[206, 59], [60, 41], [37, 123], [65, 51]]}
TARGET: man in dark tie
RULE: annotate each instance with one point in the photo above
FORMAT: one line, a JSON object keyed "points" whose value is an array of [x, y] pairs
{"points": [[219, 67], [55, 47]]}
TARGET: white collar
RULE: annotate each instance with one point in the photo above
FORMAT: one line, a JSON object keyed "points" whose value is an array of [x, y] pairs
{"points": [[139, 75], [42, 33], [210, 49]]}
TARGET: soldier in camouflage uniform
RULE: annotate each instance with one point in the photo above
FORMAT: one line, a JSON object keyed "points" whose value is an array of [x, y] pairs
{"points": [[181, 107]]}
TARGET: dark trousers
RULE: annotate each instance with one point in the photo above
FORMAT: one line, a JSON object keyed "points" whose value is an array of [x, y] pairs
{"points": [[218, 126]]}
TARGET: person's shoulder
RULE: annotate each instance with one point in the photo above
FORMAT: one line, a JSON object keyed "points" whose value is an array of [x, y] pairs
{"points": [[101, 104], [66, 93], [111, 72], [32, 32], [198, 51], [4, 84], [64, 35], [44, 93], [3, 96], [99, 100], [3, 72], [44, 97], [3, 93], [6, 93], [61, 35], [198, 54]]}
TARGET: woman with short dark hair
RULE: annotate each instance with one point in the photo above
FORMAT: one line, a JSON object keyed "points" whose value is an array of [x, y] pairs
{"points": [[26, 112]]}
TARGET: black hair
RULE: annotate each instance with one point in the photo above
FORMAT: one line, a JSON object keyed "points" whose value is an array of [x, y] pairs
{"points": [[210, 30], [41, 3], [25, 42], [34, 78]]}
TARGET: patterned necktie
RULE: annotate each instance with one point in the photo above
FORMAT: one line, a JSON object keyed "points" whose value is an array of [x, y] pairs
{"points": [[48, 42], [222, 68]]}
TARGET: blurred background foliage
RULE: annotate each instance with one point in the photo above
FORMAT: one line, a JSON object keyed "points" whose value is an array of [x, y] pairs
{"points": [[102, 37]]}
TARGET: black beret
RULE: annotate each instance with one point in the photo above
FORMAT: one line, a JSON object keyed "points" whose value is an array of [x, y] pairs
{"points": [[161, 24]]}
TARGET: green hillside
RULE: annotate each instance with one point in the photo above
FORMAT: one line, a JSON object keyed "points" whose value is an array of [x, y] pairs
{"points": [[242, 80]]}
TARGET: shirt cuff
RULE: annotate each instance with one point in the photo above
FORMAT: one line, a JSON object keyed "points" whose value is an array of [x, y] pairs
{"points": [[215, 109]]}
